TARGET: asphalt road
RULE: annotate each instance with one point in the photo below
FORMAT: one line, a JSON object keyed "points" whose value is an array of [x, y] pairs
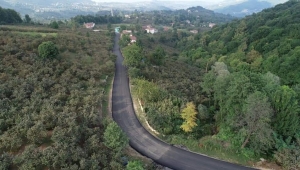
{"points": [[142, 141]]}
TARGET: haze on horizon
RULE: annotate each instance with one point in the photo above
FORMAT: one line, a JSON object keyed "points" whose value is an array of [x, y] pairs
{"points": [[207, 2]]}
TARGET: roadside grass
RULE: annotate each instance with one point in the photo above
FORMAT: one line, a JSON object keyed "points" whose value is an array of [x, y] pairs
{"points": [[210, 148], [106, 93]]}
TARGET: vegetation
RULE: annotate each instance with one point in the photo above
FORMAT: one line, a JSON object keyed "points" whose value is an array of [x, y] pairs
{"points": [[242, 78], [47, 50], [9, 16], [51, 110], [98, 19]]}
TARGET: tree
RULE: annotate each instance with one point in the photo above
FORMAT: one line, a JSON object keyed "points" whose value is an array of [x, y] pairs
{"points": [[114, 137], [285, 104], [54, 25], [188, 114], [158, 56], [255, 122], [134, 165], [48, 50], [27, 18], [132, 56]]}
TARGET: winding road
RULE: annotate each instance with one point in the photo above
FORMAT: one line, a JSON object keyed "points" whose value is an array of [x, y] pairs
{"points": [[142, 141]]}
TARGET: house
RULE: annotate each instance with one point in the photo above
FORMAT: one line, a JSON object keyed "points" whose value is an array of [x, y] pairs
{"points": [[211, 25], [127, 16], [166, 28], [152, 30], [126, 32], [194, 31], [89, 25], [132, 39]]}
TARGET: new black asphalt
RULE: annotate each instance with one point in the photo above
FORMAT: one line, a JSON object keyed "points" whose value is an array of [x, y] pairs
{"points": [[142, 141]]}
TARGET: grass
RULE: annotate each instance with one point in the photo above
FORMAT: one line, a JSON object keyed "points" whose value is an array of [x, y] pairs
{"points": [[105, 103], [218, 152], [34, 34]]}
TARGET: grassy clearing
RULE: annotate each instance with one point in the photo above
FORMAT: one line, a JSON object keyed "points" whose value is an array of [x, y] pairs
{"points": [[34, 34]]}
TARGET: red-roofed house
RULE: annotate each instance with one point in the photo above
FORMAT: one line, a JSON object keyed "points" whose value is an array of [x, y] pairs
{"points": [[89, 25], [132, 39]]}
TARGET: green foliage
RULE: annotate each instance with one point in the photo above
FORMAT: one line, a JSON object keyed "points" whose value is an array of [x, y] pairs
{"points": [[98, 19], [255, 123], [288, 153], [133, 56], [5, 161], [9, 16], [134, 165], [124, 41], [54, 25], [47, 50], [27, 18], [114, 137], [158, 56], [285, 103], [51, 110]]}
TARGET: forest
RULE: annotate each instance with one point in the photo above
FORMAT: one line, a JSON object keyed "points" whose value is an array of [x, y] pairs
{"points": [[234, 88], [9, 16], [98, 19]]}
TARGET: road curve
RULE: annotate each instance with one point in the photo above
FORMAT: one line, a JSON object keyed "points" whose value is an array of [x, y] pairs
{"points": [[142, 141]]}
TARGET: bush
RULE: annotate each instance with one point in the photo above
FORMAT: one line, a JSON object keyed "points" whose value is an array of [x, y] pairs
{"points": [[48, 50]]}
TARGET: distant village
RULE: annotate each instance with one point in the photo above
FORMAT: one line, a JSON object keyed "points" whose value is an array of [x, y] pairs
{"points": [[147, 28]]}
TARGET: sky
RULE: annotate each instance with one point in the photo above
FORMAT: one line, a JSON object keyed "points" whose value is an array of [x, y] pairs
{"points": [[210, 2]]}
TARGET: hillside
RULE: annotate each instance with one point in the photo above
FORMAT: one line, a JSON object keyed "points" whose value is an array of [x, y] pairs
{"points": [[231, 92], [245, 8], [272, 34], [53, 110]]}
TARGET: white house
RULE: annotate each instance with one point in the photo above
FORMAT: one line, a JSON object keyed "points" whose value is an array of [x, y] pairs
{"points": [[152, 30], [211, 25]]}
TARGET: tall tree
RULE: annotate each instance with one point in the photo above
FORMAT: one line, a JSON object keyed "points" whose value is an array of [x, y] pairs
{"points": [[285, 104], [255, 122], [27, 18], [188, 114]]}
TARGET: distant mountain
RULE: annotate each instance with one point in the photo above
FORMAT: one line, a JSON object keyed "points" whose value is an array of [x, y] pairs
{"points": [[245, 8]]}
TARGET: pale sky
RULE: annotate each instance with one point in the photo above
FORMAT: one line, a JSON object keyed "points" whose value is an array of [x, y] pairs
{"points": [[205, 1]]}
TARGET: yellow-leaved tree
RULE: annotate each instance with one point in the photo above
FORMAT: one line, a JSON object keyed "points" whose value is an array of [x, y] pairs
{"points": [[188, 114]]}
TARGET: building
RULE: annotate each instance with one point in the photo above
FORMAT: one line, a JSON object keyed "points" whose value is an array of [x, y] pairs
{"points": [[89, 25], [126, 32], [211, 25], [132, 39], [152, 30], [127, 16], [194, 31]]}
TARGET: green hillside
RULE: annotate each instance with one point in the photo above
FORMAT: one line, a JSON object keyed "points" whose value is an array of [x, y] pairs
{"points": [[232, 92], [53, 108]]}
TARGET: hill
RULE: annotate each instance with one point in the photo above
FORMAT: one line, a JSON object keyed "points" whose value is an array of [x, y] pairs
{"points": [[245, 8], [53, 110], [240, 82]]}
